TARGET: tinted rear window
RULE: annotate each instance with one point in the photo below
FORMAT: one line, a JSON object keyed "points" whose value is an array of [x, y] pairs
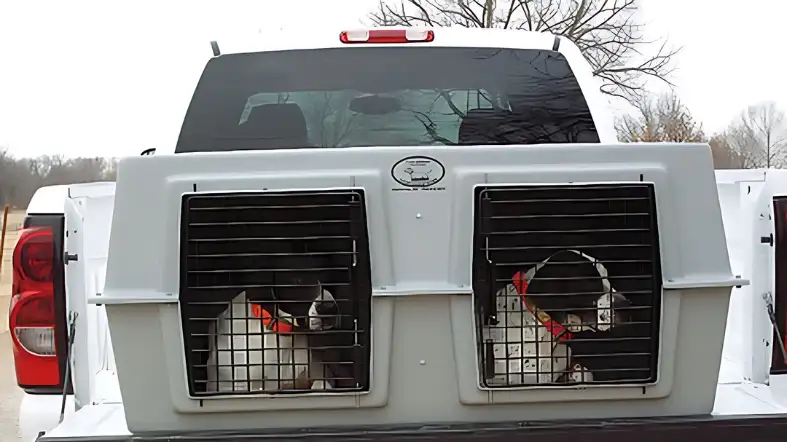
{"points": [[392, 96]]}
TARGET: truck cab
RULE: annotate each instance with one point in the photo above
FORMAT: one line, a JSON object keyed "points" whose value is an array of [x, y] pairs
{"points": [[399, 233]]}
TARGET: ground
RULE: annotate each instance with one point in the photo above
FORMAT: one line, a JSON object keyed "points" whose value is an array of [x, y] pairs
{"points": [[14, 222], [10, 395]]}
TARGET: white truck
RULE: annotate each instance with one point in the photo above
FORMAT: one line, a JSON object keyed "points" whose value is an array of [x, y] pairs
{"points": [[343, 211]]}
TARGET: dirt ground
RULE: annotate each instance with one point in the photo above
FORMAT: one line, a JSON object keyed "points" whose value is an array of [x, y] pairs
{"points": [[10, 394]]}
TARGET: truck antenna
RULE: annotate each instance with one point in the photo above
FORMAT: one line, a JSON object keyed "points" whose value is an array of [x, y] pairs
{"points": [[215, 46]]}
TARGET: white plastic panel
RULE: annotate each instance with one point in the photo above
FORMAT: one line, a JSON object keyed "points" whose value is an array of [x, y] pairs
{"points": [[88, 211]]}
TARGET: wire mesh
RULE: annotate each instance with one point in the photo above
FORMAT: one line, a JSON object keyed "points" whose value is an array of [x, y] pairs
{"points": [[567, 284], [275, 292]]}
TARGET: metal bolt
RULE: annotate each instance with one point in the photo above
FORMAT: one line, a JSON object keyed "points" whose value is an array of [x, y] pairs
{"points": [[422, 362], [418, 215]]}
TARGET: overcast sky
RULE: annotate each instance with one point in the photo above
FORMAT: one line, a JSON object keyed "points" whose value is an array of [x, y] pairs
{"points": [[102, 79]]}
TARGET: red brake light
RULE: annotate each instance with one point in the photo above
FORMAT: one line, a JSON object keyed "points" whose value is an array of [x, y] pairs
{"points": [[37, 312], [34, 255], [387, 36], [31, 316]]}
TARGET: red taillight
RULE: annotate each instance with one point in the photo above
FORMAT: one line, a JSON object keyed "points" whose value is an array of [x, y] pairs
{"points": [[34, 255], [31, 316], [387, 36]]}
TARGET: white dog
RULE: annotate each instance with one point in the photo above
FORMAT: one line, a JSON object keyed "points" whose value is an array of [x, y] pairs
{"points": [[246, 356], [525, 350]]}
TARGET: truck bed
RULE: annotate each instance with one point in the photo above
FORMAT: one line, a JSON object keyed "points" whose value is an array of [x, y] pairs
{"points": [[743, 411]]}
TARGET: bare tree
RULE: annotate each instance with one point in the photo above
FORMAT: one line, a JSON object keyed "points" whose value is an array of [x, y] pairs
{"points": [[758, 137], [6, 164], [111, 170], [609, 33], [21, 177], [766, 122], [663, 118], [724, 155]]}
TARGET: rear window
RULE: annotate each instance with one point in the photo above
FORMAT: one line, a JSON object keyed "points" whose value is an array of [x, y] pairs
{"points": [[392, 96]]}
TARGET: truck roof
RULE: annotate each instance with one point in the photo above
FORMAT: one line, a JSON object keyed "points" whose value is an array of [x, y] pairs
{"points": [[446, 37]]}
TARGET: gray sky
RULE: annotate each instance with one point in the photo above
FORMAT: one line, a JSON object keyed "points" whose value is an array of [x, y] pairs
{"points": [[113, 78]]}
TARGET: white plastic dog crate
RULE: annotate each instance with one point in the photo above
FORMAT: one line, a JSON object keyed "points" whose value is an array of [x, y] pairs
{"points": [[522, 283]]}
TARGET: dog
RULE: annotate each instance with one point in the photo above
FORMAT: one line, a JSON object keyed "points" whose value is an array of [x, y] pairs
{"points": [[543, 337], [249, 355], [602, 327], [331, 333], [523, 349], [574, 289]]}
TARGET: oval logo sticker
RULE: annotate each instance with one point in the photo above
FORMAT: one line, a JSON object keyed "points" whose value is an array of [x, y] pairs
{"points": [[418, 171]]}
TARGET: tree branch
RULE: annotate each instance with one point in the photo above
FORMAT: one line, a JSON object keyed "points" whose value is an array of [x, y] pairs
{"points": [[607, 32]]}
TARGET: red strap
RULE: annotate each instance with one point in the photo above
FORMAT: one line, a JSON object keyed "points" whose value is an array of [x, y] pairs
{"points": [[274, 325], [555, 328]]}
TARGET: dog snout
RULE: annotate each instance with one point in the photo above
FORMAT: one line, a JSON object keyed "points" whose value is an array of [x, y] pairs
{"points": [[324, 314]]}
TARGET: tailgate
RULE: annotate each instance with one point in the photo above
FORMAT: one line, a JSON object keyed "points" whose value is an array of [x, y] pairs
{"points": [[753, 428], [89, 211]]}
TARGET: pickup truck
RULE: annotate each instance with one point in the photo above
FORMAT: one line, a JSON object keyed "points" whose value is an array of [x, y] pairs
{"points": [[346, 210]]}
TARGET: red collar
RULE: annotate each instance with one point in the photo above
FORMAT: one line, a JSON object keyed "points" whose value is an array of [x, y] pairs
{"points": [[279, 325], [555, 328]]}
